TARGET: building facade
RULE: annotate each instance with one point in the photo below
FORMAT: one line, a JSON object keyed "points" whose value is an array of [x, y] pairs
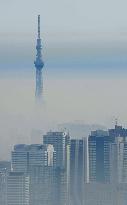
{"points": [[3, 187], [26, 156], [78, 169], [61, 144], [17, 189]]}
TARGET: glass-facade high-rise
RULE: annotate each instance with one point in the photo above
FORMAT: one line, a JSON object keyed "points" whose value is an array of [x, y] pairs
{"points": [[99, 156]]}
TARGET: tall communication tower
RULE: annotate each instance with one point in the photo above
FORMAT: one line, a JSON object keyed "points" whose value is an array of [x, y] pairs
{"points": [[39, 64]]}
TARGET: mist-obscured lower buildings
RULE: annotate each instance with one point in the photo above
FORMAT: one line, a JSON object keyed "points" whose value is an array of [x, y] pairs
{"points": [[118, 160], [78, 169], [3, 187], [37, 161], [105, 194], [18, 188], [67, 171], [48, 166]]}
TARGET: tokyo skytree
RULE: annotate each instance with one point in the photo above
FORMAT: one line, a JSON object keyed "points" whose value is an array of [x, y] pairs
{"points": [[39, 64]]}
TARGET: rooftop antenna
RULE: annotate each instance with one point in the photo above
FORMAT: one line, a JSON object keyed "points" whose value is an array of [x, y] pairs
{"points": [[38, 26], [116, 122]]}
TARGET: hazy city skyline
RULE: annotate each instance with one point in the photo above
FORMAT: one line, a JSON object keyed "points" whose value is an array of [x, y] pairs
{"points": [[85, 64], [63, 133]]}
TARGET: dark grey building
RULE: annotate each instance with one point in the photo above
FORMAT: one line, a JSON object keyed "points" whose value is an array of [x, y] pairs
{"points": [[99, 156]]}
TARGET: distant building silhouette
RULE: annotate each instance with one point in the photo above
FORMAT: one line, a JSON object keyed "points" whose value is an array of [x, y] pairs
{"points": [[118, 131]]}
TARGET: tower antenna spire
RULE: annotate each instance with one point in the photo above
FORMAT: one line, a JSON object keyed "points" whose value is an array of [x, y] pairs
{"points": [[38, 26]]}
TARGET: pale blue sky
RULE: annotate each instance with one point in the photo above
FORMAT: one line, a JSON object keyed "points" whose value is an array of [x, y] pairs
{"points": [[67, 15], [76, 33]]}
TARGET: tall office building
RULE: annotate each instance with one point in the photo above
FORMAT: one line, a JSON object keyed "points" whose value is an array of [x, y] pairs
{"points": [[17, 189], [78, 170], [37, 161], [39, 65], [26, 156], [99, 156], [118, 154], [118, 160], [61, 144]]}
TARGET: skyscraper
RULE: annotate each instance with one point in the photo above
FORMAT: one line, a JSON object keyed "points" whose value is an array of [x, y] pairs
{"points": [[118, 152], [77, 170], [118, 157], [99, 156], [37, 161], [39, 65], [61, 144]]}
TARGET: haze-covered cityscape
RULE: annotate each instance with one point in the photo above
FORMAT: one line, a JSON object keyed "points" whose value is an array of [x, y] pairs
{"points": [[63, 113]]}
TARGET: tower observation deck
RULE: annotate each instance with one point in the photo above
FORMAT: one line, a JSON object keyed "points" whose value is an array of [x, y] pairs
{"points": [[39, 64]]}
